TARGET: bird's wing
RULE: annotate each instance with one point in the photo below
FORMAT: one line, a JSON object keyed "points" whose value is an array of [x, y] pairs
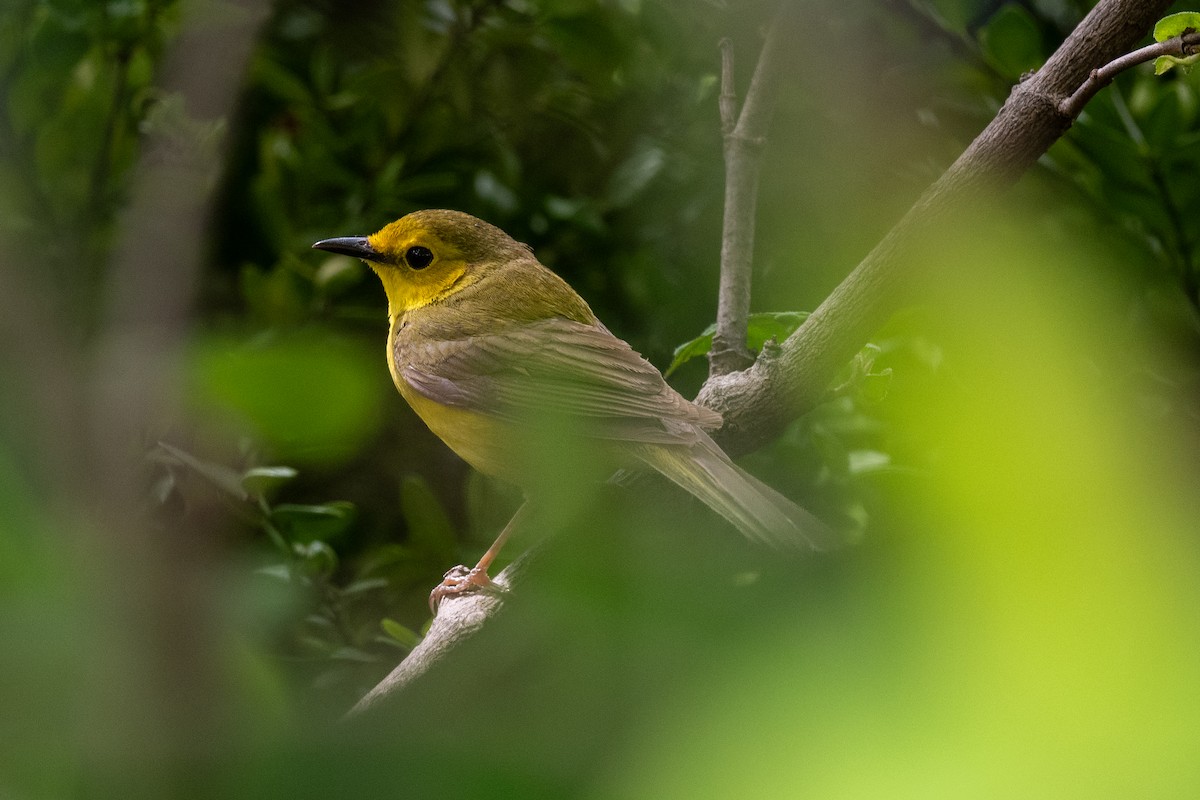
{"points": [[555, 366]]}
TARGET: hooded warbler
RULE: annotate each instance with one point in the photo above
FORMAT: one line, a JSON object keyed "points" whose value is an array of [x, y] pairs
{"points": [[483, 338]]}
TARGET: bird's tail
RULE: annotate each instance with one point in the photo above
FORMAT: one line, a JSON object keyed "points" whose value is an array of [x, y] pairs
{"points": [[757, 510]]}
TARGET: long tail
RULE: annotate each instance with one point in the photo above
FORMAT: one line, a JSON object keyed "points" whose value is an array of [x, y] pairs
{"points": [[757, 510]]}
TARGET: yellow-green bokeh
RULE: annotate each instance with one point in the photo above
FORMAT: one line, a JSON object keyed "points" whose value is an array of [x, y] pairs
{"points": [[1032, 631], [311, 396]]}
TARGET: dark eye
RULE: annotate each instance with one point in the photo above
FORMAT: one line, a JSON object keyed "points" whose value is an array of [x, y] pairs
{"points": [[418, 257]]}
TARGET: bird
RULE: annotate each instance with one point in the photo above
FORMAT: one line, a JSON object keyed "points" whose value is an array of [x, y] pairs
{"points": [[485, 343]]}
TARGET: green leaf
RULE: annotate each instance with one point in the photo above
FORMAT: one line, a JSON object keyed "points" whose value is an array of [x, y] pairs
{"points": [[1165, 63], [262, 480], [1176, 25], [312, 396], [1012, 41], [494, 191], [762, 327], [405, 636], [318, 557], [338, 273], [874, 387], [365, 585], [317, 523], [635, 174], [280, 572], [864, 461], [429, 527], [353, 654], [219, 475]]}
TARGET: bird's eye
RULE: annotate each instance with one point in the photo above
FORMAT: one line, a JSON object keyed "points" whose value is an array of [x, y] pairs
{"points": [[418, 257]]}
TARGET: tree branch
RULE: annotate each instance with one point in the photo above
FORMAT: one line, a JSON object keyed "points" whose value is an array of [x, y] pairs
{"points": [[1178, 46], [743, 154], [458, 618], [781, 385], [789, 380], [727, 102]]}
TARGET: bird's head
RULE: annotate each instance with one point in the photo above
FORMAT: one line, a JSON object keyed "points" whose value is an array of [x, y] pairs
{"points": [[427, 256]]}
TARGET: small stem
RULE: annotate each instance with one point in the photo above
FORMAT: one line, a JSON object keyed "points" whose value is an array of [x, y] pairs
{"points": [[728, 99], [743, 153], [1178, 46]]}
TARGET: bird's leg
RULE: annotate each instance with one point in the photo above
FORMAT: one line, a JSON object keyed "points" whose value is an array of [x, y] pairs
{"points": [[460, 579]]}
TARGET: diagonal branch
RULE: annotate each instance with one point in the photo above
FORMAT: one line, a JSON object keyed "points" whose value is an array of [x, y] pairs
{"points": [[789, 381], [459, 617]]}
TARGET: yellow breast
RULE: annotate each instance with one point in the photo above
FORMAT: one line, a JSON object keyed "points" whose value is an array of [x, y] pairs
{"points": [[483, 441]]}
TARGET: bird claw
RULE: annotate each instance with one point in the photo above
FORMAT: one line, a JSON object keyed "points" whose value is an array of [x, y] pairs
{"points": [[460, 580]]}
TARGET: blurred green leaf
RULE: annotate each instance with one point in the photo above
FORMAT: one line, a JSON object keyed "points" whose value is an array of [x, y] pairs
{"points": [[365, 585], [317, 558], [490, 189], [353, 654], [274, 296], [310, 396], [635, 173], [405, 636], [219, 475], [1012, 41], [311, 523], [429, 527], [281, 572], [874, 387], [954, 14], [862, 461], [263, 480], [338, 274], [762, 327]]}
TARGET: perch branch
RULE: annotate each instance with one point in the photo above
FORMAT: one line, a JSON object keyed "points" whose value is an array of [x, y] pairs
{"points": [[1178, 46], [458, 618]]}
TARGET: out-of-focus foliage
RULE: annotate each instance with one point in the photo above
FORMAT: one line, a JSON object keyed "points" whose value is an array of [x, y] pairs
{"points": [[1169, 27], [1011, 458]]}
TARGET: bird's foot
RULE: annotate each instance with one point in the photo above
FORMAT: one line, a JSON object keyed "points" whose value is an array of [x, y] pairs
{"points": [[461, 580]]}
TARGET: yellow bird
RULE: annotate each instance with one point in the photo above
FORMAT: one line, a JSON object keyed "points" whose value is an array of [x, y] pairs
{"points": [[483, 338]]}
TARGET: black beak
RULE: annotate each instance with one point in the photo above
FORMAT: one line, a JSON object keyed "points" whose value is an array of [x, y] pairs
{"points": [[354, 246]]}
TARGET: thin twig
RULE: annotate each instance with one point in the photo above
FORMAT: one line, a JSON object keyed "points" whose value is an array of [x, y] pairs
{"points": [[743, 153], [728, 99], [1178, 46]]}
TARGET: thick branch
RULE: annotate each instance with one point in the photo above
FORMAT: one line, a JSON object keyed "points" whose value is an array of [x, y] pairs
{"points": [[743, 153], [759, 402]]}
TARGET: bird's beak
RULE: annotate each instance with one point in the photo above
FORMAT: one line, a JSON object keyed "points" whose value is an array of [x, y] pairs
{"points": [[354, 246]]}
